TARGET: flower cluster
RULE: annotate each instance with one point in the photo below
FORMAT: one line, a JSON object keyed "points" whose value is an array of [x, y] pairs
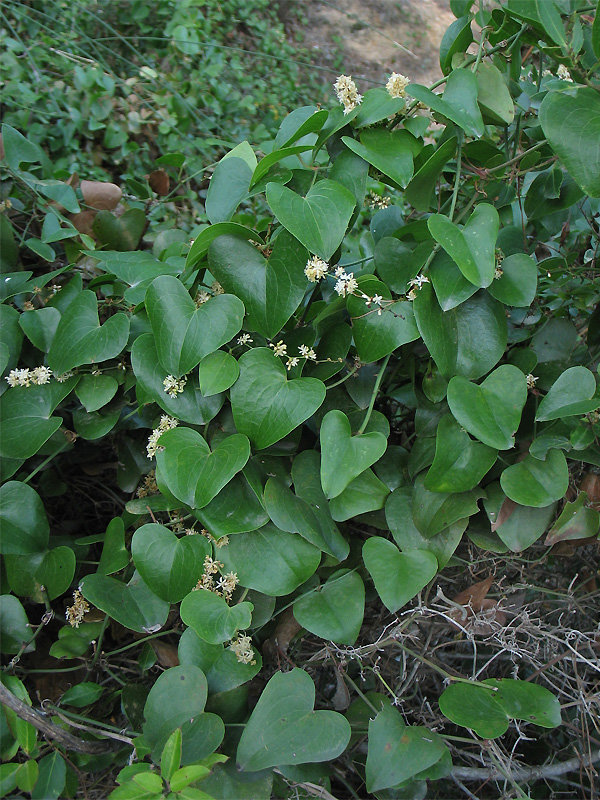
{"points": [[279, 349], [564, 74], [245, 338], [531, 381], [242, 647], [174, 386], [224, 586], [25, 377], [347, 93], [165, 424], [75, 613], [316, 269], [377, 201], [149, 485], [377, 300], [397, 84], [416, 283], [201, 298], [346, 282]]}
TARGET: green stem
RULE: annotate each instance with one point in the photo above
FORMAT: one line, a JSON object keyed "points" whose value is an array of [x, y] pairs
{"points": [[345, 378], [366, 700], [45, 461], [136, 643], [374, 395], [457, 176], [99, 643]]}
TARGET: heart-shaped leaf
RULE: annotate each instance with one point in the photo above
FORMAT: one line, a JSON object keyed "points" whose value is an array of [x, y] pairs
{"points": [[378, 330], [217, 372], [397, 576], [137, 269], [311, 520], [220, 665], [236, 509], [459, 462], [191, 472], [318, 220], [228, 186], [133, 605], [335, 610], [363, 494], [120, 233], [436, 511], [189, 406], [169, 566], [79, 339], [572, 126], [212, 619], [40, 326], [26, 421], [343, 456], [269, 560], [95, 391], [494, 99], [183, 333], [397, 752], [518, 282], [399, 517], [536, 483], [574, 392], [270, 289], [468, 340], [473, 246], [25, 528], [452, 111], [391, 152], [266, 405], [178, 695], [460, 94], [200, 246], [488, 711], [451, 286], [56, 571], [518, 527], [285, 729], [576, 521], [492, 410]]}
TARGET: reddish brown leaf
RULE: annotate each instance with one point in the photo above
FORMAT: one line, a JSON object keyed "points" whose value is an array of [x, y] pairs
{"points": [[101, 195], [506, 510], [159, 182], [474, 595], [166, 654]]}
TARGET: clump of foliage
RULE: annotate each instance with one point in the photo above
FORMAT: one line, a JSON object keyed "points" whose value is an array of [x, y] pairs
{"points": [[236, 470]]}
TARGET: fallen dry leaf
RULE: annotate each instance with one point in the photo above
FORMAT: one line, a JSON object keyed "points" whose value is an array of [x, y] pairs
{"points": [[159, 182]]}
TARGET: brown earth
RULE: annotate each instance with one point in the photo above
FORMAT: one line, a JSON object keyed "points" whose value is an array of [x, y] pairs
{"points": [[369, 40]]}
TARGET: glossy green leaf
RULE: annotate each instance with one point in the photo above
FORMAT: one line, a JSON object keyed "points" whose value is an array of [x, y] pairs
{"points": [[202, 242], [18, 149], [270, 560], [397, 752], [343, 456], [574, 392], [95, 391], [451, 286], [266, 405], [398, 577], [492, 410], [183, 333], [460, 94], [96, 424], [318, 220], [120, 233], [488, 711], [377, 104], [459, 463], [169, 566], [14, 625], [468, 340], [435, 511], [133, 605], [437, 103], [399, 517], [571, 123], [79, 339], [378, 334], [228, 186], [391, 152], [115, 555], [335, 610], [518, 283], [420, 191], [395, 263], [219, 663], [24, 523], [364, 493], [193, 473], [190, 405], [178, 696], [577, 521], [494, 99], [473, 246], [285, 729], [311, 520], [56, 571], [300, 122], [82, 694], [217, 372], [137, 269], [51, 777], [212, 618], [271, 289], [520, 526], [236, 509], [40, 326], [171, 756], [456, 39], [536, 483]]}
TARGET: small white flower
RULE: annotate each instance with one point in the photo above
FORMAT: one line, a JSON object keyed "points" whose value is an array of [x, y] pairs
{"points": [[339, 271], [316, 269], [64, 377], [174, 386], [13, 379], [245, 338], [201, 298], [564, 74], [377, 299], [279, 349], [411, 295], [41, 375], [418, 281], [292, 362], [397, 84], [498, 273], [347, 93], [531, 381], [346, 284]]}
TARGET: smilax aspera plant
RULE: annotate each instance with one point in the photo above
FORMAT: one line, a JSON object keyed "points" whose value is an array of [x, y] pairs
{"points": [[364, 379]]}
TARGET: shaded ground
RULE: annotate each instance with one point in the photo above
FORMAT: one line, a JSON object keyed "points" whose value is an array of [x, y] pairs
{"points": [[365, 39]]}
